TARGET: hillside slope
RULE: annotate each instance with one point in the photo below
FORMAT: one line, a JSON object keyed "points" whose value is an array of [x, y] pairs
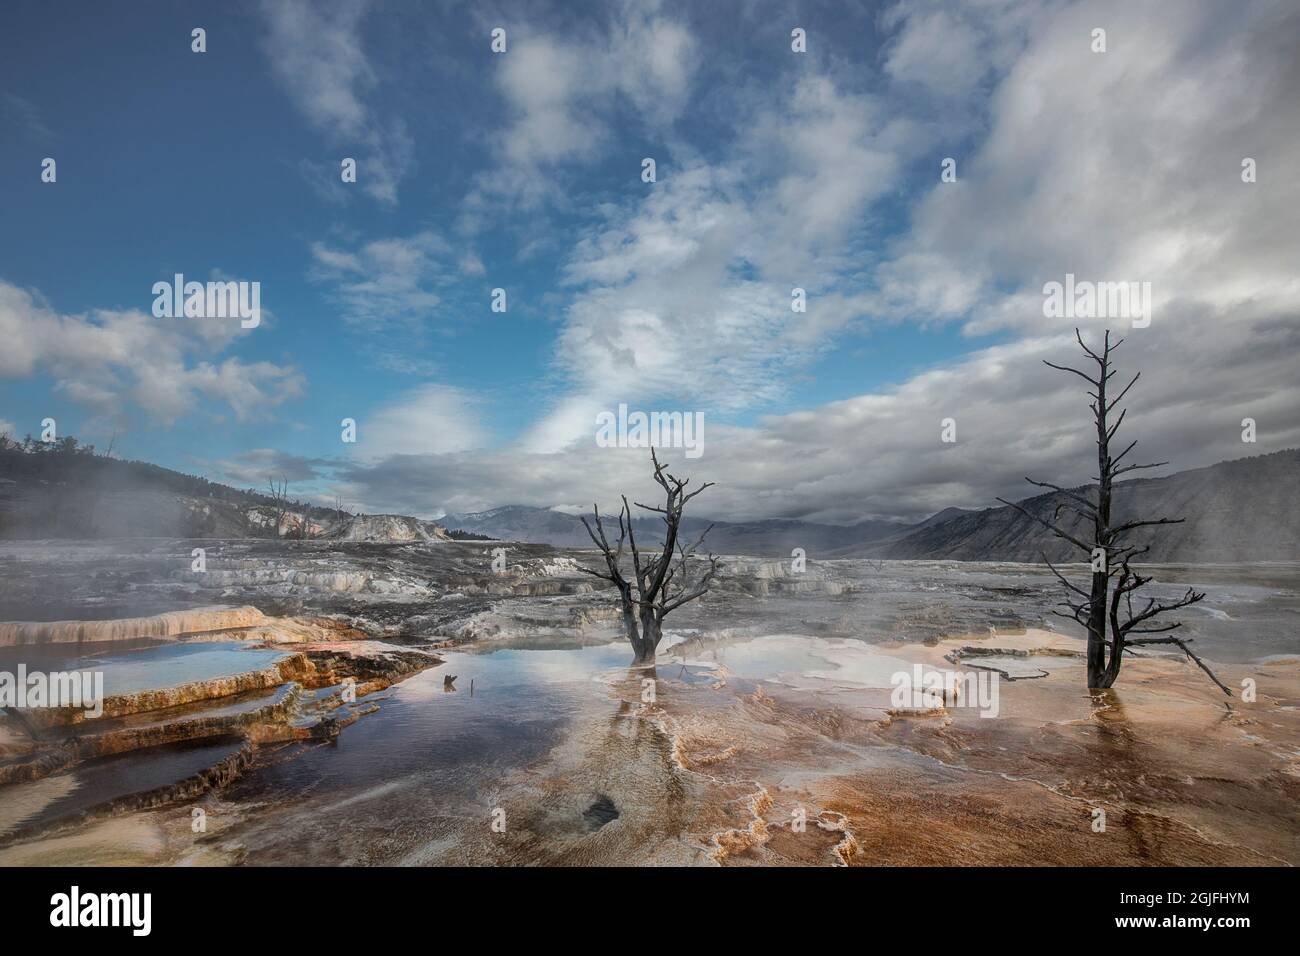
{"points": [[771, 538], [1242, 510], [67, 491]]}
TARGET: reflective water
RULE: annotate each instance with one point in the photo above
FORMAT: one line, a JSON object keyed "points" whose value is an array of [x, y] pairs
{"points": [[92, 784], [545, 737], [147, 665], [402, 784], [556, 747]]}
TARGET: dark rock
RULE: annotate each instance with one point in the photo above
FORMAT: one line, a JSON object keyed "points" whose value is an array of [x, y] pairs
{"points": [[601, 811]]}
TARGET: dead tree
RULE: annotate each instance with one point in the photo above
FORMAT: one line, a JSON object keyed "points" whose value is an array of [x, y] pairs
{"points": [[279, 505], [660, 582], [1107, 546]]}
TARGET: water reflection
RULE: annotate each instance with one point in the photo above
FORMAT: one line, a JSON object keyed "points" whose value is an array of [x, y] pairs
{"points": [[430, 762], [146, 665]]}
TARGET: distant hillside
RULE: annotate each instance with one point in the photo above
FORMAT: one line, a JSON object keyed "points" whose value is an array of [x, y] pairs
{"points": [[894, 532], [521, 523], [1242, 510], [776, 537], [67, 490]]}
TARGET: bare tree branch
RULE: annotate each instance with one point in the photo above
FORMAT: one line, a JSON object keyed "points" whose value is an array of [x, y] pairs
{"points": [[1188, 651]]}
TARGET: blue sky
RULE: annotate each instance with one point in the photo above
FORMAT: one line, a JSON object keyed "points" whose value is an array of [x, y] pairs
{"points": [[521, 170]]}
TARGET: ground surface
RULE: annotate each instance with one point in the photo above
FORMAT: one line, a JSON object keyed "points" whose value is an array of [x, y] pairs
{"points": [[299, 711]]}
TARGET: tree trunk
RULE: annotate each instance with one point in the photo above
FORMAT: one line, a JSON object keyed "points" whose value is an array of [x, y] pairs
{"points": [[1111, 672], [651, 634], [644, 636], [630, 627], [1097, 671], [1097, 631], [1116, 646]]}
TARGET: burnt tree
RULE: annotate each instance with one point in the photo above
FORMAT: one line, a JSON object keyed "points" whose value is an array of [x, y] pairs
{"points": [[287, 524], [661, 581], [1107, 545]]}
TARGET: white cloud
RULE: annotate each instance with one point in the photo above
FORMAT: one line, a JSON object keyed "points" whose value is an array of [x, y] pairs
{"points": [[1116, 166], [952, 50], [258, 467], [315, 52], [684, 295], [161, 365], [880, 454], [385, 284], [471, 265], [561, 92], [1121, 166], [429, 420]]}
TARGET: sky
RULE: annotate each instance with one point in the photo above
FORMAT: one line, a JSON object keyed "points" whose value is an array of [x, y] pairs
{"points": [[775, 169]]}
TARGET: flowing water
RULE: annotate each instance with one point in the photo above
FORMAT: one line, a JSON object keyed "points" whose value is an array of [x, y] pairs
{"points": [[547, 743], [405, 783]]}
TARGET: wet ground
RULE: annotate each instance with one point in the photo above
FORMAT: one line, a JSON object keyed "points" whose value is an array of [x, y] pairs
{"points": [[403, 785], [417, 591], [766, 734]]}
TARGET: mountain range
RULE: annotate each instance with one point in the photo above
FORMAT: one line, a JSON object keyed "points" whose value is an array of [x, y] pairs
{"points": [[1247, 509], [1242, 510], [771, 537]]}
